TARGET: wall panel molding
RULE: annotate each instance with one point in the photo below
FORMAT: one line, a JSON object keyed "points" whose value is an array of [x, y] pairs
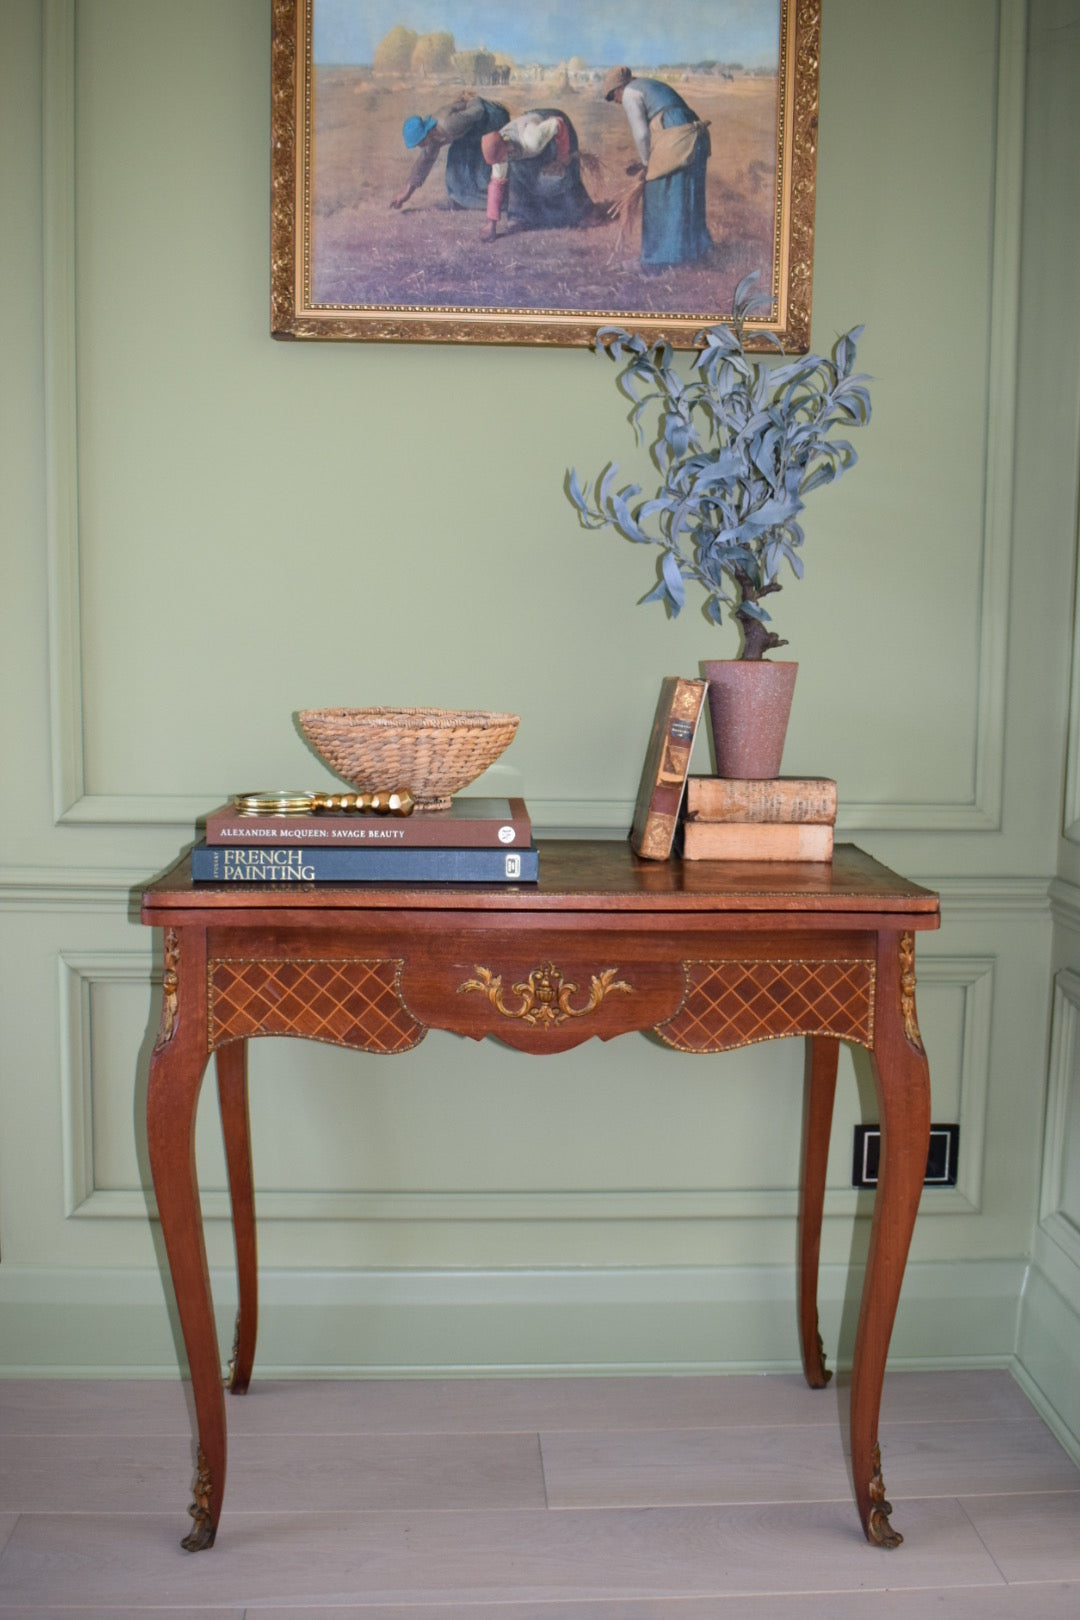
{"points": [[974, 977], [1000, 443], [1071, 820], [61, 396], [1063, 1094], [971, 897], [72, 802], [79, 971], [58, 888], [1065, 903]]}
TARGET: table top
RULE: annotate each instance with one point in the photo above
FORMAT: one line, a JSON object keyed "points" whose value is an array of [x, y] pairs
{"points": [[593, 875]]}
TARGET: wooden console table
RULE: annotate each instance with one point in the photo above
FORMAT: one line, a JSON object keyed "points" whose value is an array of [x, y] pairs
{"points": [[707, 955]]}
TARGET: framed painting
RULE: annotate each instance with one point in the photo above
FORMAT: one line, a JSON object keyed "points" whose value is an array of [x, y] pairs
{"points": [[463, 171]]}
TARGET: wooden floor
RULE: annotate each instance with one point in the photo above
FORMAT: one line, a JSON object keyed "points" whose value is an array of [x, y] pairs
{"points": [[579, 1499]]}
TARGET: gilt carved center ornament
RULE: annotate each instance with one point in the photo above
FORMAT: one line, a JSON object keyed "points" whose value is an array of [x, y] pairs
{"points": [[544, 998]]}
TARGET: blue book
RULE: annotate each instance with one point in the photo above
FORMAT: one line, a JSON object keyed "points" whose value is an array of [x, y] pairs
{"points": [[231, 863]]}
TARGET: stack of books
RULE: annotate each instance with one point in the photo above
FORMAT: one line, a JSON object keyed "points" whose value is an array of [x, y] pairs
{"points": [[784, 818], [479, 840]]}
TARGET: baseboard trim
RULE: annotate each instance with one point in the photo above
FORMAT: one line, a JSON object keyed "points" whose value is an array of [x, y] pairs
{"points": [[1048, 1355], [1046, 1409], [116, 1323]]}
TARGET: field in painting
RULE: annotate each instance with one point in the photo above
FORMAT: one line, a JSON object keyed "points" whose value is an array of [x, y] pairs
{"points": [[429, 255]]}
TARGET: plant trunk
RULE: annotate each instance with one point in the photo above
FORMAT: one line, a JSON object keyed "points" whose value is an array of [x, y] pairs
{"points": [[758, 639]]}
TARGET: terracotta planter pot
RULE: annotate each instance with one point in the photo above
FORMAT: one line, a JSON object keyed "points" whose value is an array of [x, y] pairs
{"points": [[749, 706]]}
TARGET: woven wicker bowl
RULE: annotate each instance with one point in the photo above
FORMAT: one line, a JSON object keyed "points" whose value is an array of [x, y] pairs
{"points": [[433, 752]]}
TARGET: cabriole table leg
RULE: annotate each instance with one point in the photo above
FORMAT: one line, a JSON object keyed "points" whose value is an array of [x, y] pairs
{"points": [[176, 1070], [819, 1090], [231, 1063], [902, 1079]]}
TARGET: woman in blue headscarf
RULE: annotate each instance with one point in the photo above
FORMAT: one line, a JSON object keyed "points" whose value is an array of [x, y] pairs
{"points": [[460, 128], [673, 148]]}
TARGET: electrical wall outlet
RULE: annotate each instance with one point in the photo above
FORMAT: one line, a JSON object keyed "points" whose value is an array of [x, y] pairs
{"points": [[940, 1161]]}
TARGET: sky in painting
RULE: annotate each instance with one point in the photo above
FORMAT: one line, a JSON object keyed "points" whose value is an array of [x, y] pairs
{"points": [[638, 32]]}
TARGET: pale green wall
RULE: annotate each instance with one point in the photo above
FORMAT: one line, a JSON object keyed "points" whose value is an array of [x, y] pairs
{"points": [[205, 530]]}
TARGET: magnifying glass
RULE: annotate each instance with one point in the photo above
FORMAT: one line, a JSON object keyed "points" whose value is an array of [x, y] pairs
{"points": [[293, 802]]}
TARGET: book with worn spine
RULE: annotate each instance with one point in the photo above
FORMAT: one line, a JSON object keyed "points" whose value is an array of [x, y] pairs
{"points": [[667, 761], [288, 864], [481, 823], [773, 799]]}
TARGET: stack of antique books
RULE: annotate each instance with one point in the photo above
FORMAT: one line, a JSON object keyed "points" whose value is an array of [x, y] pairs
{"points": [[785, 818], [478, 840]]}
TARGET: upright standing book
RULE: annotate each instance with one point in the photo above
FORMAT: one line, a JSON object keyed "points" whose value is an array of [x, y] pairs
{"points": [[667, 761]]}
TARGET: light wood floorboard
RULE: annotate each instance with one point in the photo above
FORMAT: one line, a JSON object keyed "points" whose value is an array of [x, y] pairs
{"points": [[972, 1603], [485, 1557], [1043, 1602], [336, 1406], [778, 1464], [64, 1473], [1030, 1537], [81, 1612], [536, 1499]]}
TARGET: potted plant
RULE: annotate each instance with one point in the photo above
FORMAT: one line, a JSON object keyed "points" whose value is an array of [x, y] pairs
{"points": [[739, 447]]}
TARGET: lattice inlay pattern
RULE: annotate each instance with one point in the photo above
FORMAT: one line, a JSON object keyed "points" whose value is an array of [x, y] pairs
{"points": [[736, 1003], [345, 1001]]}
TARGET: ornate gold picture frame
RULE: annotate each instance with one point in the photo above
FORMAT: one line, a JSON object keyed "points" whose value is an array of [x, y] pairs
{"points": [[460, 171]]}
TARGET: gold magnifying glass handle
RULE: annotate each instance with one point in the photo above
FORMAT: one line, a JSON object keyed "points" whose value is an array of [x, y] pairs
{"points": [[392, 802], [388, 802]]}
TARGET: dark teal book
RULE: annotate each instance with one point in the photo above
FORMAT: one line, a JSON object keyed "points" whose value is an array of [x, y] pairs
{"points": [[231, 863]]}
